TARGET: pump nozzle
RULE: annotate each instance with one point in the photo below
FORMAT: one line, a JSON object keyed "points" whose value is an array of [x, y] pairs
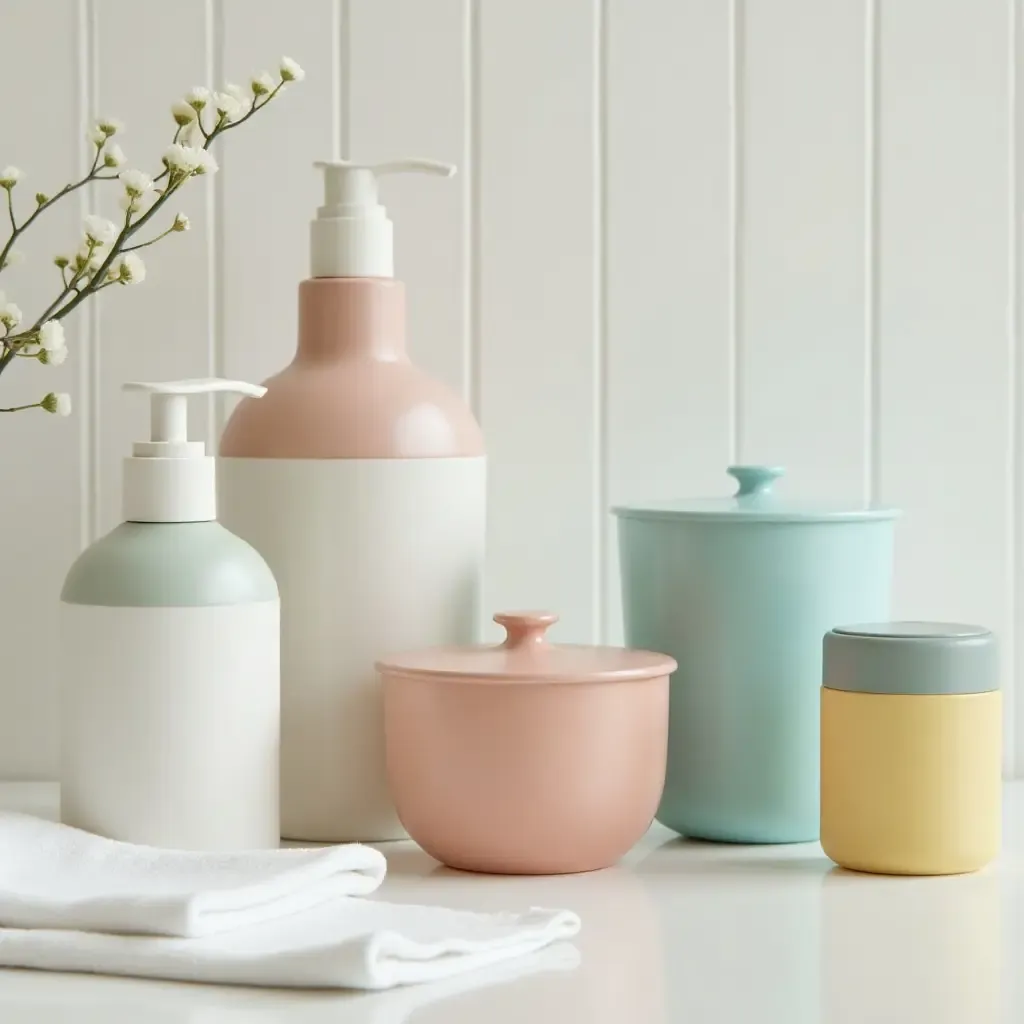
{"points": [[170, 479], [352, 235], [169, 408]]}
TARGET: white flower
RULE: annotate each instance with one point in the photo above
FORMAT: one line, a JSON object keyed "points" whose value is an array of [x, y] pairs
{"points": [[110, 125], [132, 270], [13, 258], [84, 259], [99, 230], [183, 113], [229, 107], [181, 158], [290, 71], [51, 335], [9, 177], [97, 136], [205, 162], [181, 223], [136, 182], [262, 83], [197, 97], [59, 403], [10, 314], [53, 357], [240, 94], [113, 156]]}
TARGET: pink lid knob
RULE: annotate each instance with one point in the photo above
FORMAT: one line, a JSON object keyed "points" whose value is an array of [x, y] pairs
{"points": [[525, 630]]}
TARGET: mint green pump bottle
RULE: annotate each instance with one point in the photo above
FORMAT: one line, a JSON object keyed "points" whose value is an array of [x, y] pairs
{"points": [[169, 658]]}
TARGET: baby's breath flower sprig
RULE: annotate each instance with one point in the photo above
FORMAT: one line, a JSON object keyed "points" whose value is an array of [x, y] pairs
{"points": [[104, 257], [104, 157]]}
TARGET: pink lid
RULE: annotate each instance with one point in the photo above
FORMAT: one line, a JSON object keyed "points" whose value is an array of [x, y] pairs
{"points": [[526, 655]]}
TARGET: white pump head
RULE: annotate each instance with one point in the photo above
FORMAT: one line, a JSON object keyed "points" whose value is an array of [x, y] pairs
{"points": [[352, 235], [170, 479]]}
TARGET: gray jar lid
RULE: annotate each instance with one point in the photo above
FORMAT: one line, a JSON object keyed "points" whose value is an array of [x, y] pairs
{"points": [[923, 658], [755, 501]]}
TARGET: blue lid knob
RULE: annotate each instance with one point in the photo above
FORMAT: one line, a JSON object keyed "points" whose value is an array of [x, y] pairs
{"points": [[755, 481]]}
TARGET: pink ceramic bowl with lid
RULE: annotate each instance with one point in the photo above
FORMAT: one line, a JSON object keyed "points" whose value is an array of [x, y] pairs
{"points": [[526, 757]]}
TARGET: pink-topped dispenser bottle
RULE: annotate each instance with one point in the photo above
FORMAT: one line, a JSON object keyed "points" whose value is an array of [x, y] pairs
{"points": [[362, 483]]}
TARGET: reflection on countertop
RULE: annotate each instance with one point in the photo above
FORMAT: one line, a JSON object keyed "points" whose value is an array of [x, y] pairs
{"points": [[681, 931]]}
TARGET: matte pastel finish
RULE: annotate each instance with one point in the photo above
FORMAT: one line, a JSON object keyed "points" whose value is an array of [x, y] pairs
{"points": [[169, 564], [362, 481], [755, 500], [351, 391], [372, 556], [170, 723], [527, 656], [741, 601], [527, 776], [911, 784], [911, 657]]}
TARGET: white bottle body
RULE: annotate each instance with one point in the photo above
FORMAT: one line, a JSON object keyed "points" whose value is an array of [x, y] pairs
{"points": [[170, 719], [372, 557]]}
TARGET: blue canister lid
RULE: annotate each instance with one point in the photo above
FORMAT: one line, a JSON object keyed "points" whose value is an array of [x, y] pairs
{"points": [[755, 501], [924, 658]]}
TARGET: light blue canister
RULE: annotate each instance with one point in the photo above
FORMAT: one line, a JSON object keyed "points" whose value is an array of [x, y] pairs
{"points": [[740, 591]]}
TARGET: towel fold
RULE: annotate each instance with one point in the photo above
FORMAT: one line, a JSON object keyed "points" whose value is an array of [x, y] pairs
{"points": [[71, 901]]}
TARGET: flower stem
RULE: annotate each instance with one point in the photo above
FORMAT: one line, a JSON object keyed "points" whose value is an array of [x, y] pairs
{"points": [[20, 408], [142, 245], [65, 191]]}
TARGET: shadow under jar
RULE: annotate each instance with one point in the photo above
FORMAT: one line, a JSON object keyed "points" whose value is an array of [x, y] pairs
{"points": [[526, 757]]}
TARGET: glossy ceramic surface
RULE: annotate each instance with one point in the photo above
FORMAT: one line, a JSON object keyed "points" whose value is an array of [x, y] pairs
{"points": [[553, 768], [741, 595]]}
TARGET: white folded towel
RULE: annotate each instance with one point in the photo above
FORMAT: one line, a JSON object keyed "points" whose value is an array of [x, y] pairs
{"points": [[70, 901]]}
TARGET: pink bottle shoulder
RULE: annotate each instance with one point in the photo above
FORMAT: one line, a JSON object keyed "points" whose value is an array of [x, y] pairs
{"points": [[356, 409]]}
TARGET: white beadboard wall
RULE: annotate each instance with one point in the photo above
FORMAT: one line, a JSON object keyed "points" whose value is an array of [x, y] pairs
{"points": [[684, 233]]}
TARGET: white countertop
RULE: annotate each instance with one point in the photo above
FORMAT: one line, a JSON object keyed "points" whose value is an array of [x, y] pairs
{"points": [[680, 933]]}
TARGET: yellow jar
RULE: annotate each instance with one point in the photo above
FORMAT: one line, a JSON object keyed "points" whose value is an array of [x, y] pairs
{"points": [[911, 748]]}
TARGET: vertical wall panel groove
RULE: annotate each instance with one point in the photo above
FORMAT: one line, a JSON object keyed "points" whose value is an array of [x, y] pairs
{"points": [[471, 212], [602, 611], [93, 315], [88, 355], [872, 270], [1013, 697], [341, 81], [737, 133], [215, 230]]}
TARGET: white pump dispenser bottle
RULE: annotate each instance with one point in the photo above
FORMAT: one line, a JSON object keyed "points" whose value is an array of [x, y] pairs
{"points": [[170, 674], [362, 481]]}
